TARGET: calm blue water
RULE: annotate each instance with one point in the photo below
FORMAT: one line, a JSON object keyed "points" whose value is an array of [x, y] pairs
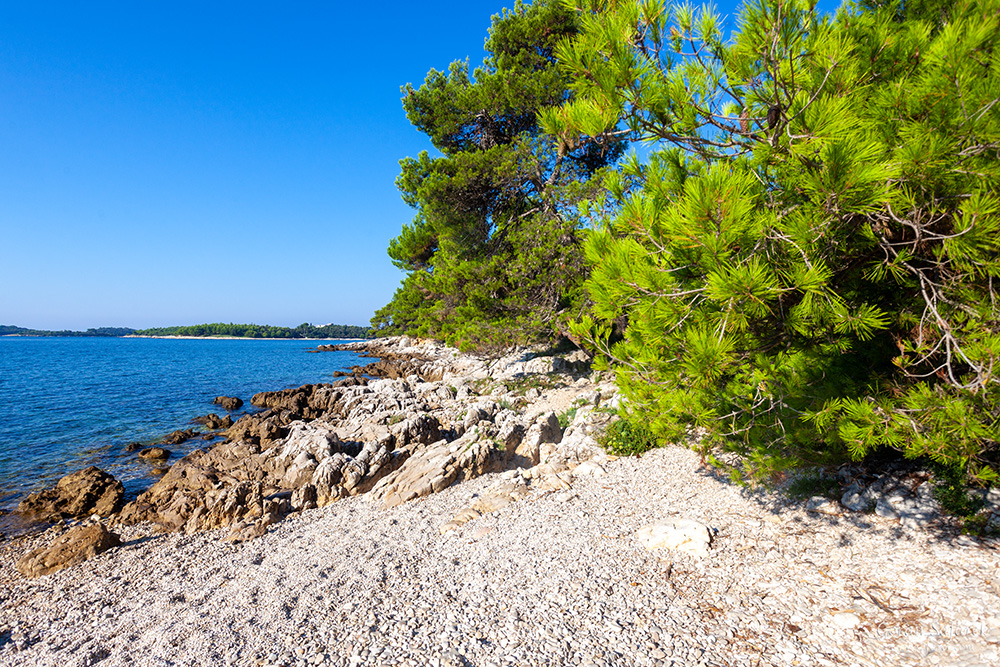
{"points": [[66, 403]]}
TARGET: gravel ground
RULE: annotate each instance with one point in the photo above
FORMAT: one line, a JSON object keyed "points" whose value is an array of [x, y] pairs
{"points": [[556, 579]]}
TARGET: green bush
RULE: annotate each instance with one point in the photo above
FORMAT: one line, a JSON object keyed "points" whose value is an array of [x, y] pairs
{"points": [[807, 265], [626, 437], [815, 484], [566, 418]]}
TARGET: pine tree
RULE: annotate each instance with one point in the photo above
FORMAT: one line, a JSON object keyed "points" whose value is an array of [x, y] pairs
{"points": [[806, 265], [494, 253]]}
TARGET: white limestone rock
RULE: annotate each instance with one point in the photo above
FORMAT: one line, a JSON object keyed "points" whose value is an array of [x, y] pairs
{"points": [[589, 468], [685, 535], [822, 505], [846, 620]]}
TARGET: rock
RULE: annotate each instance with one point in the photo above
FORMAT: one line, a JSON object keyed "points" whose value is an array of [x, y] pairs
{"points": [[304, 498], [561, 481], [917, 510], [399, 434], [82, 493], [687, 535], [545, 430], [228, 402], [498, 497], [434, 467], [159, 472], [822, 505], [846, 620], [885, 509], [133, 446], [214, 421], [177, 437], [155, 454], [857, 500], [243, 532], [76, 546], [589, 468]]}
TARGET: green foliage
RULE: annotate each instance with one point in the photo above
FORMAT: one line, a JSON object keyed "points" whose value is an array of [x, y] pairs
{"points": [[815, 484], [493, 254], [952, 491], [521, 385], [628, 436], [566, 417], [304, 330], [100, 332], [805, 265]]}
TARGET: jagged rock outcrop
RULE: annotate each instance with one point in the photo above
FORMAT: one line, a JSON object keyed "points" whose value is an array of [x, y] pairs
{"points": [[75, 546], [406, 434], [437, 466], [82, 493]]}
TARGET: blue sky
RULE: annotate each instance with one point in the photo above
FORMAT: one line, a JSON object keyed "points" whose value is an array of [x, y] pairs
{"points": [[177, 163]]}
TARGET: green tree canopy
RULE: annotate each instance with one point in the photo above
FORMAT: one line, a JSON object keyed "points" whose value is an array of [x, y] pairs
{"points": [[807, 263], [493, 254]]}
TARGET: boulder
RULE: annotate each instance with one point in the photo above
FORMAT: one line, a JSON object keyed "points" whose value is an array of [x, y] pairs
{"points": [[214, 421], [821, 505], [177, 437], [545, 430], [857, 499], [75, 546], [434, 467], [82, 493], [228, 402], [687, 535], [155, 454]]}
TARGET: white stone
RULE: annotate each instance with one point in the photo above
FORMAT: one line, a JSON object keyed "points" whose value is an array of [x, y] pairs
{"points": [[846, 620], [885, 509], [823, 505], [686, 535], [589, 468]]}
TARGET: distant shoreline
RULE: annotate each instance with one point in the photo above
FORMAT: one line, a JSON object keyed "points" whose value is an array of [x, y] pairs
{"points": [[229, 338], [179, 337]]}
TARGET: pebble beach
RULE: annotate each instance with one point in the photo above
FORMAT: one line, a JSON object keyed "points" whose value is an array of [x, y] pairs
{"points": [[556, 578]]}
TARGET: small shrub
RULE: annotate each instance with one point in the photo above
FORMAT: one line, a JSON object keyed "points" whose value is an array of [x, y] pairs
{"points": [[814, 485], [625, 438], [952, 491], [521, 385], [979, 525], [566, 418]]}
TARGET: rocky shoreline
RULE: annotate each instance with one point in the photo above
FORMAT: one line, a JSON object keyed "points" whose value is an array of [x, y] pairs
{"points": [[460, 512]]}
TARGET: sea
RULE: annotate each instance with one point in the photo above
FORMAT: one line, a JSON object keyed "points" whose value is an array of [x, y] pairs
{"points": [[69, 403]]}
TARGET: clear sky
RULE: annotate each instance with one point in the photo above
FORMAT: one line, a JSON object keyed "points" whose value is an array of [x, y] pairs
{"points": [[177, 162]]}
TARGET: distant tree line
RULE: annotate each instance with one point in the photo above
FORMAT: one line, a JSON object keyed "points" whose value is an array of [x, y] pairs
{"points": [[304, 330], [100, 332]]}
